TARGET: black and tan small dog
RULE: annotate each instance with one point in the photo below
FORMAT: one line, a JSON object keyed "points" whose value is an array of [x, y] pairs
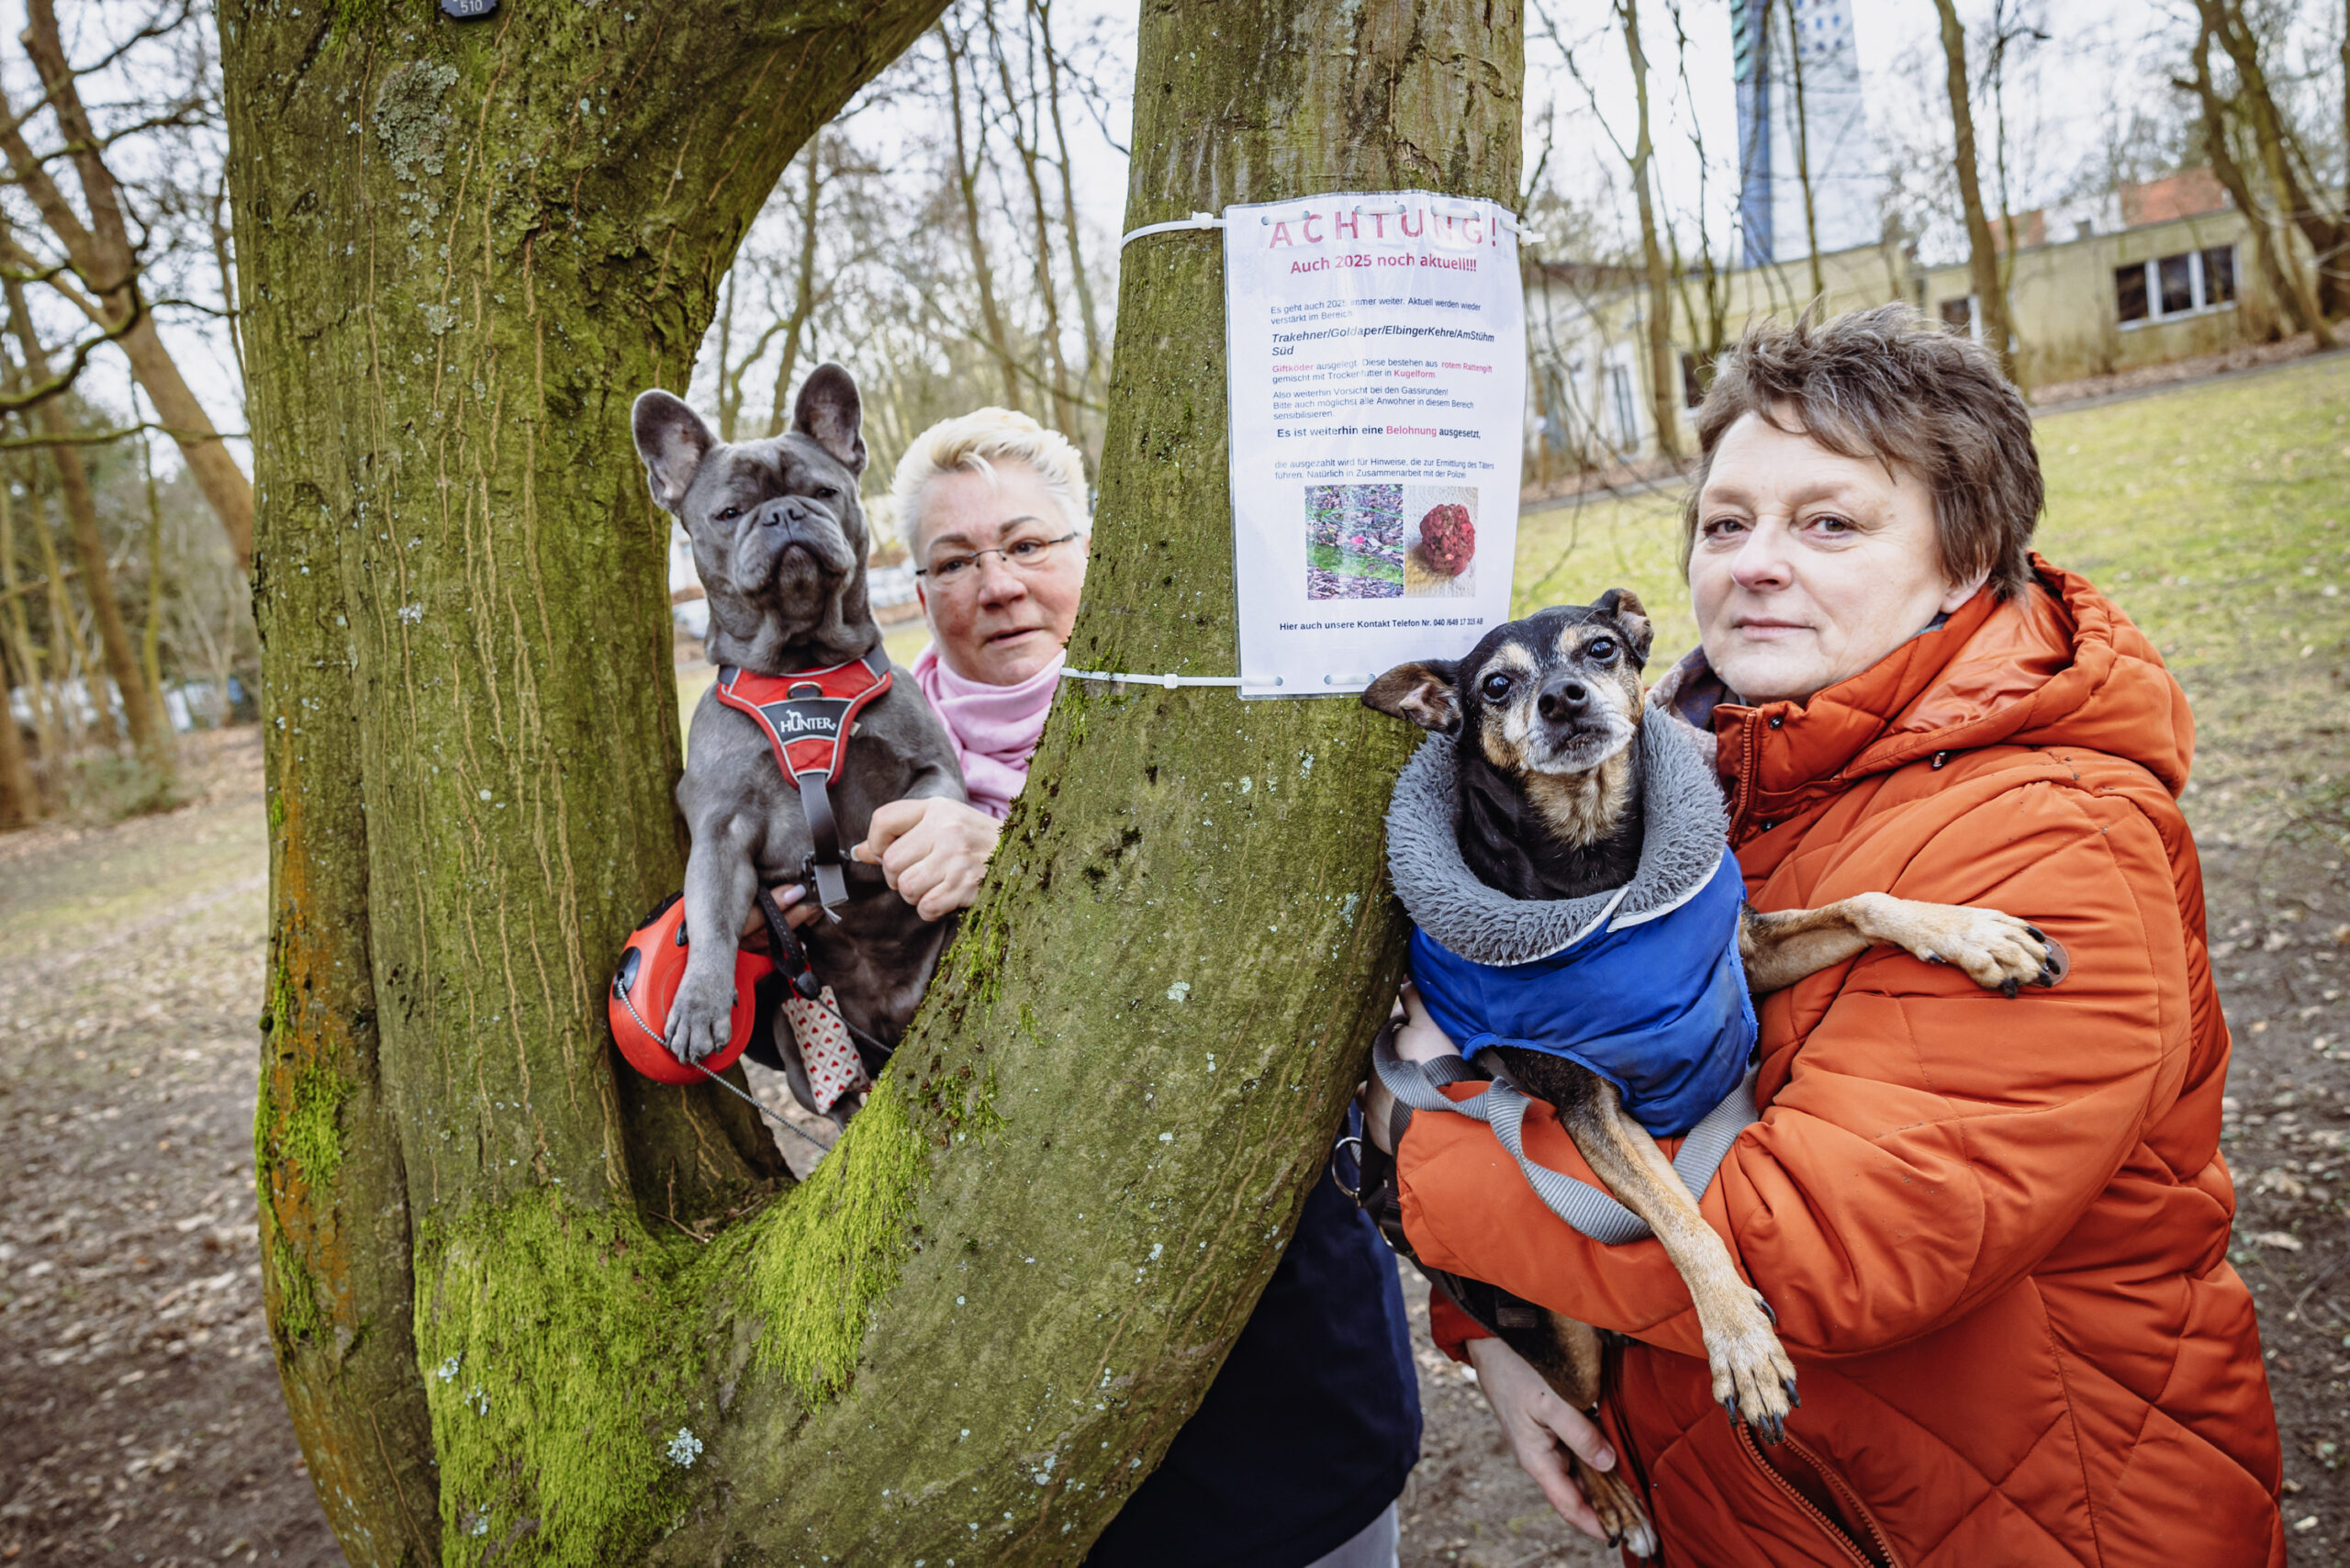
{"points": [[1549, 803]]}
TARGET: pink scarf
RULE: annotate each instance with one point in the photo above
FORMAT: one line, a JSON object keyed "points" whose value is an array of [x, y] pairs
{"points": [[994, 728]]}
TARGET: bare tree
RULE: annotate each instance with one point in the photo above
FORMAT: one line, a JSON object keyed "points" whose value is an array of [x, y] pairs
{"points": [[968, 159], [2278, 264], [1983, 258], [2280, 157], [142, 712], [103, 262]]}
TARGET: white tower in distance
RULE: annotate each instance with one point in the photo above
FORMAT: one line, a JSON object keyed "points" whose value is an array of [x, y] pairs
{"points": [[1788, 53]]}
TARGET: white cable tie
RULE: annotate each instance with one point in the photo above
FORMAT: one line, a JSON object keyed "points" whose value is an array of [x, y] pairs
{"points": [[1197, 221], [1169, 681]]}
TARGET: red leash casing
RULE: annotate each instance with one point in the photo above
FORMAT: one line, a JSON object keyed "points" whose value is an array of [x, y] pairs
{"points": [[644, 985]]}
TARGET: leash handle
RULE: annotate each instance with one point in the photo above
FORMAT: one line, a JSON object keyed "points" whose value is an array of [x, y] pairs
{"points": [[824, 832]]}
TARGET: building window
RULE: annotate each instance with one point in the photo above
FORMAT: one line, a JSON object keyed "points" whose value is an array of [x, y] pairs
{"points": [[2219, 275], [1959, 315], [2171, 286], [2130, 291]]}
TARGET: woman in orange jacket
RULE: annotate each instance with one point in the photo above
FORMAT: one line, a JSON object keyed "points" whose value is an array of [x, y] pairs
{"points": [[1995, 1232]]}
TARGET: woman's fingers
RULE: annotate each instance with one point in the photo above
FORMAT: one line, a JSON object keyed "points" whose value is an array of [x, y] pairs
{"points": [[1537, 1424], [890, 824]]}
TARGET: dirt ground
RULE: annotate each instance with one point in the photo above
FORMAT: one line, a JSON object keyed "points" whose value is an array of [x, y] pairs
{"points": [[139, 1416]]}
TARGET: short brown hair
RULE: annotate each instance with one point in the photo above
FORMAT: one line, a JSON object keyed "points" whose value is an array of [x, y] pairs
{"points": [[1891, 384]]}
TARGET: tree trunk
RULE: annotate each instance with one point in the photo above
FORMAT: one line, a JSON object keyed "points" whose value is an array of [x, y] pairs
{"points": [[1982, 257], [968, 161], [1041, 11], [138, 705], [1664, 402], [1803, 151], [978, 1325], [803, 289], [16, 782], [2328, 237], [110, 263], [2276, 263]]}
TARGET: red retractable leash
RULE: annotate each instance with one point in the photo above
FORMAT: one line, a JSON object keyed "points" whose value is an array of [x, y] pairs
{"points": [[652, 965]]}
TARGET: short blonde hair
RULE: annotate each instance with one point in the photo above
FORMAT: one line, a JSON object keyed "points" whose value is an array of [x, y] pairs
{"points": [[976, 442]]}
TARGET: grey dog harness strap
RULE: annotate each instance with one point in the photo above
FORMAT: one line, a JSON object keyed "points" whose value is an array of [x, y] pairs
{"points": [[1502, 1106]]}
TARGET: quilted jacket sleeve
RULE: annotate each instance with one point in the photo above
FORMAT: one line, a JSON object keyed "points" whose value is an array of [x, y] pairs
{"points": [[1927, 1143]]}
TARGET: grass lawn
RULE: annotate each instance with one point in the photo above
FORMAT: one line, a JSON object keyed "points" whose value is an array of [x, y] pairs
{"points": [[2218, 516]]}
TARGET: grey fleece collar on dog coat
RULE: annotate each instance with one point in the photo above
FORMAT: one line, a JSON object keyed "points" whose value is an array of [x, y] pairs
{"points": [[1682, 846]]}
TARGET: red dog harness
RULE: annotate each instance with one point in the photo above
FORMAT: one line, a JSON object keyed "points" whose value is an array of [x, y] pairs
{"points": [[809, 716]]}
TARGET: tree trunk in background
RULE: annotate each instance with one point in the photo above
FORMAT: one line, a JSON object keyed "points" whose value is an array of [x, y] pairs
{"points": [[968, 164], [500, 1332], [1665, 401], [139, 706], [803, 290], [17, 782], [1042, 11], [109, 263], [2278, 264], [1803, 146], [1982, 257], [2328, 236]]}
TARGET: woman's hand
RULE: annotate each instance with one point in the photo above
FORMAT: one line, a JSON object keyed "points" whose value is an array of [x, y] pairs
{"points": [[933, 851], [1419, 1039], [1536, 1421]]}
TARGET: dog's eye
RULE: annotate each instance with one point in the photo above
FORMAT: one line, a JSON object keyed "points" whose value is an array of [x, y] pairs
{"points": [[1496, 688], [728, 514], [824, 493], [1599, 650]]}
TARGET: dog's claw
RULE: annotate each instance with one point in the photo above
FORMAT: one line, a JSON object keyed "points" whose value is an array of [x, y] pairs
{"points": [[1729, 1408], [1767, 1313], [1794, 1400], [1936, 958], [2008, 988], [2047, 975]]}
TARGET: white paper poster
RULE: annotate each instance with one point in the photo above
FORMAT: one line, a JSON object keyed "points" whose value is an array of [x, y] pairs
{"points": [[1377, 352]]}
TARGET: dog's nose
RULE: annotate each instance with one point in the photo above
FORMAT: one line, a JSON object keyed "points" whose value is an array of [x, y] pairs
{"points": [[1563, 698]]}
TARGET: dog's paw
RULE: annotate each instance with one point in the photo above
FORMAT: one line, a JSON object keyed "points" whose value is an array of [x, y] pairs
{"points": [[1997, 951], [702, 1017], [1618, 1508], [1753, 1379]]}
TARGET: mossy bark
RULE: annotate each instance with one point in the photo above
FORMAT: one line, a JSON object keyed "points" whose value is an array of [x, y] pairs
{"points": [[975, 1329]]}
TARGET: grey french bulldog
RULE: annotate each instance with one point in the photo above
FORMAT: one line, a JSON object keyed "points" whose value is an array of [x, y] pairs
{"points": [[780, 543]]}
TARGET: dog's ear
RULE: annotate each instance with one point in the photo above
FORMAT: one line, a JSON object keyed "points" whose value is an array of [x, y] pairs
{"points": [[673, 441], [1625, 607], [1426, 693], [828, 412]]}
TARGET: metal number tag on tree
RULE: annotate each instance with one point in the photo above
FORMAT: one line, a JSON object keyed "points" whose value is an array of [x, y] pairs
{"points": [[1377, 352]]}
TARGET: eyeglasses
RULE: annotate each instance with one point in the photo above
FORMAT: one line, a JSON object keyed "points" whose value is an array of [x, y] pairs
{"points": [[1021, 554]]}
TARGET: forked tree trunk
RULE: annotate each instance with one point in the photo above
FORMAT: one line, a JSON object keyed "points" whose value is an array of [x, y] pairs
{"points": [[976, 1328]]}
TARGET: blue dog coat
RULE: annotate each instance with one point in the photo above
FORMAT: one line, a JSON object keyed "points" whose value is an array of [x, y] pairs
{"points": [[1642, 985]]}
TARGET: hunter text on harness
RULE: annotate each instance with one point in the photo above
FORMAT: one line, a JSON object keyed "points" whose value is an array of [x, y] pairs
{"points": [[808, 717]]}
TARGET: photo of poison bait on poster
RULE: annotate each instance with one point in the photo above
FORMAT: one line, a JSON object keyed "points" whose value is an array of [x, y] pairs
{"points": [[1377, 352]]}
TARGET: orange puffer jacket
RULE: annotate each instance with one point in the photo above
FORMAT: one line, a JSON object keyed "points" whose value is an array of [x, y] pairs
{"points": [[1995, 1232]]}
